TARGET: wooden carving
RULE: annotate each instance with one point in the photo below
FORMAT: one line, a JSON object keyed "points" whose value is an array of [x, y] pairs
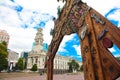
{"points": [[96, 34]]}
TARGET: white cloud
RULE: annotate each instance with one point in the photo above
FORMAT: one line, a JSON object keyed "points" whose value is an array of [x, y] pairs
{"points": [[63, 43], [62, 49], [22, 39], [12, 21], [111, 50], [78, 49], [116, 55], [33, 18], [9, 17], [103, 6], [46, 32], [46, 6], [115, 16]]}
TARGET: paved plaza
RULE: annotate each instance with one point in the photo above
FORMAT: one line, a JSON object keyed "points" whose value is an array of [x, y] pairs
{"points": [[56, 77], [16, 76], [26, 76]]}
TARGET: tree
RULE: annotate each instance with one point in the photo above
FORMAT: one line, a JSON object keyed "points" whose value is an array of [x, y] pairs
{"points": [[118, 58], [3, 64], [20, 65], [34, 67], [3, 50], [70, 67], [3, 56], [81, 68], [73, 66]]}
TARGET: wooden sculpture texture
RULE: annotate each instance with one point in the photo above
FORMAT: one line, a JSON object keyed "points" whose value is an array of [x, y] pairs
{"points": [[96, 35]]}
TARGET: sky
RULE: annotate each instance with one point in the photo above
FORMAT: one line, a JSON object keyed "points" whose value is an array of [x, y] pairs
{"points": [[21, 18]]}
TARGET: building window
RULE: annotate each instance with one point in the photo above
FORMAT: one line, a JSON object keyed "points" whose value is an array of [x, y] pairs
{"points": [[36, 60], [32, 60], [43, 60]]}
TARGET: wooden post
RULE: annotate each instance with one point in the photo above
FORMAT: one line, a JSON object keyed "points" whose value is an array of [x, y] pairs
{"points": [[98, 62], [53, 47], [90, 53], [96, 33], [50, 69]]}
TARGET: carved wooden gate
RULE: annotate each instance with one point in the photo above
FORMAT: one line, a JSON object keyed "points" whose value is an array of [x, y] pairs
{"points": [[96, 34]]}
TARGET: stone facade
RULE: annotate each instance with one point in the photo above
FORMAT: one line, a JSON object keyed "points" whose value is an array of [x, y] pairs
{"points": [[4, 36], [61, 64], [37, 56], [13, 57]]}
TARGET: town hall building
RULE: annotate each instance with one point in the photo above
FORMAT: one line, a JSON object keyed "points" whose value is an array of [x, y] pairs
{"points": [[37, 56]]}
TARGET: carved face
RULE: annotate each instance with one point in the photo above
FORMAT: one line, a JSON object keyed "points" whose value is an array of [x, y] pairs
{"points": [[72, 18]]}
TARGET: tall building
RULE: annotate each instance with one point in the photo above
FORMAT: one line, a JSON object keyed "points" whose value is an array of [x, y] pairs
{"points": [[24, 55], [38, 53], [4, 36], [12, 57]]}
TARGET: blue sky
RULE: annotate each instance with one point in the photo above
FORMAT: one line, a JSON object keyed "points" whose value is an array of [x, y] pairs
{"points": [[21, 18]]}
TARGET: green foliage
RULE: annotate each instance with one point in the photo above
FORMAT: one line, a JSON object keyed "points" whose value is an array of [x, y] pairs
{"points": [[3, 56], [20, 65], [81, 68], [70, 67], [34, 67], [25, 64], [4, 43], [73, 65], [58, 11], [118, 58], [3, 50], [3, 64]]}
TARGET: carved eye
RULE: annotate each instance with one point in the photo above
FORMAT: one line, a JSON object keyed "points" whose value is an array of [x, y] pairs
{"points": [[83, 32], [107, 43]]}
